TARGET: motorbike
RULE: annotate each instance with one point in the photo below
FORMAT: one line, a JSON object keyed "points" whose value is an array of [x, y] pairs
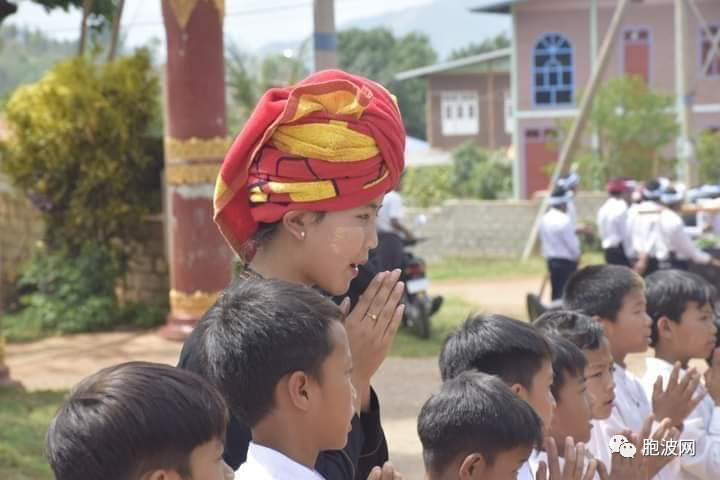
{"points": [[419, 305]]}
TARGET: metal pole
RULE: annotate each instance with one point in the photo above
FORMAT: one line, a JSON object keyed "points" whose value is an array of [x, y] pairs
{"points": [[684, 98], [325, 39], [595, 138], [573, 138], [518, 189]]}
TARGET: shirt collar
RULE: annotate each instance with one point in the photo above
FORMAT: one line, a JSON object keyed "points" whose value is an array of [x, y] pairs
{"points": [[278, 465]]}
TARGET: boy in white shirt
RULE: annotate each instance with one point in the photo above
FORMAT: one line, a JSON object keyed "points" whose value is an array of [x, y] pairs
{"points": [[681, 307], [522, 357], [285, 369], [477, 428], [615, 297], [560, 243]]}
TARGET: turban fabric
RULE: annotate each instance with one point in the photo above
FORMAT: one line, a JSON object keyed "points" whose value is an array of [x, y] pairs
{"points": [[332, 142]]}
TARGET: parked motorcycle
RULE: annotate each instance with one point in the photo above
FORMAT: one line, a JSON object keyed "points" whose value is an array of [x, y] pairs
{"points": [[419, 305]]}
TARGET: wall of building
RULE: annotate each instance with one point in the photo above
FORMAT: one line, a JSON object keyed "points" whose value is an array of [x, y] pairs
{"points": [[470, 228], [491, 93]]}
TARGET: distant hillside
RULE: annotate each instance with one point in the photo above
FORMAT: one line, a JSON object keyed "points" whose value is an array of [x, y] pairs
{"points": [[448, 23], [26, 55]]}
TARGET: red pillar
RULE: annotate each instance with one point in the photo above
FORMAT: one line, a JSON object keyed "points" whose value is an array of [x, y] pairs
{"points": [[195, 144]]}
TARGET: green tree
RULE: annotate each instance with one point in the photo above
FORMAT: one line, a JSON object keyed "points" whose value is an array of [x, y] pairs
{"points": [[377, 54], [708, 154], [634, 125], [488, 45], [79, 148]]}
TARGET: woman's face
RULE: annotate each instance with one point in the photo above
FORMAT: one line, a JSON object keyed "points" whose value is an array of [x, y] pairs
{"points": [[336, 244]]}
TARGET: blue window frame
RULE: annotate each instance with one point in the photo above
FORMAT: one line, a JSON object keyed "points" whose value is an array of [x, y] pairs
{"points": [[553, 71]]}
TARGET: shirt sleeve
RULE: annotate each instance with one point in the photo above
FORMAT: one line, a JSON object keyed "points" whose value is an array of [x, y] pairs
{"points": [[683, 246]]}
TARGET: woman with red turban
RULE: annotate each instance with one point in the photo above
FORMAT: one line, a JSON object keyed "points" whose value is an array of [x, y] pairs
{"points": [[297, 198]]}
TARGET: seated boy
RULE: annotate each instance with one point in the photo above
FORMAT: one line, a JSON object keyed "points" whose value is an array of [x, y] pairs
{"points": [[476, 428], [293, 357], [516, 352], [614, 296], [683, 327], [139, 421]]}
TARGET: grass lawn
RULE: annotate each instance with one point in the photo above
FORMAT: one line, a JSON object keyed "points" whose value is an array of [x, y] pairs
{"points": [[453, 312], [24, 418]]}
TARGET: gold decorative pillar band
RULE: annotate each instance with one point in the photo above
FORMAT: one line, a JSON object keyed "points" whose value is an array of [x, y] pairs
{"points": [[192, 173], [183, 10], [195, 149], [192, 304]]}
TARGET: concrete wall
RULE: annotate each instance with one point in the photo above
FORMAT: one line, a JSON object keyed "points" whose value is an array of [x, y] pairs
{"points": [[470, 228]]}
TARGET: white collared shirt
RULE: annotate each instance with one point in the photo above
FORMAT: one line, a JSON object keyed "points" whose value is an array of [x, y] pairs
{"points": [[558, 236], [264, 463], [676, 239], [392, 209], [612, 222], [702, 426], [541, 456], [631, 409], [643, 229], [527, 472]]}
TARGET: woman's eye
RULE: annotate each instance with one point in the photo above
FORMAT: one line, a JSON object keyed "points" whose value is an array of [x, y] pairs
{"points": [[364, 217]]}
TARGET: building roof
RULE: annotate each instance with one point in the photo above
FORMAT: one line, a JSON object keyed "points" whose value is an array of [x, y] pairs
{"points": [[495, 6], [474, 60]]}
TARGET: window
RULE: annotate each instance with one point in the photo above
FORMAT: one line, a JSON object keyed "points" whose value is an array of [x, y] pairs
{"points": [[706, 44], [460, 113], [553, 71]]}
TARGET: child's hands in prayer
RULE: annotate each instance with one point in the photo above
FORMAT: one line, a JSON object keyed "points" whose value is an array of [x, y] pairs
{"points": [[371, 328], [387, 472], [664, 432], [678, 399], [574, 468], [712, 378], [633, 468]]}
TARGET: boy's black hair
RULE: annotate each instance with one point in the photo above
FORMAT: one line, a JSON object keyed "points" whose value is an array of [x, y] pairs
{"points": [[600, 290], [258, 332], [496, 345], [668, 293], [475, 413], [584, 332], [568, 359], [130, 419]]}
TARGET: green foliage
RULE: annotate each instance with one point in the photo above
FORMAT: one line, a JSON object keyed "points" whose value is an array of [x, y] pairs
{"points": [[65, 293], [427, 186], [634, 124], [475, 173], [377, 54], [478, 173], [708, 155], [79, 149], [488, 45]]}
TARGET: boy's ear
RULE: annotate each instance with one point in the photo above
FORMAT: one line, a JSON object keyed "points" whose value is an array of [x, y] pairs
{"points": [[665, 327], [605, 323], [162, 475], [472, 467], [520, 391], [298, 390]]}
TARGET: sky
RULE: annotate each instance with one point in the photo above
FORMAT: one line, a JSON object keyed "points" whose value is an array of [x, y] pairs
{"points": [[251, 24]]}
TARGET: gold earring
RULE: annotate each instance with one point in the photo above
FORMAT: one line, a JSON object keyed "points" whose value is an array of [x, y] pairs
{"points": [[302, 235]]}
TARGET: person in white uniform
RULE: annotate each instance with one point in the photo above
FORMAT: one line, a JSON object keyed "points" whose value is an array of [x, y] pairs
{"points": [[391, 231], [681, 307], [560, 243], [643, 230], [678, 248], [612, 222]]}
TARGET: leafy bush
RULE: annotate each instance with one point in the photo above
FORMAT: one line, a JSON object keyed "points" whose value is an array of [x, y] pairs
{"points": [[708, 153], [79, 148], [478, 173], [426, 186], [64, 293]]}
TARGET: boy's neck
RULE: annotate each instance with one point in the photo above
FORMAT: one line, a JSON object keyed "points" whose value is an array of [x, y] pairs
{"points": [[670, 355], [618, 355], [283, 437]]}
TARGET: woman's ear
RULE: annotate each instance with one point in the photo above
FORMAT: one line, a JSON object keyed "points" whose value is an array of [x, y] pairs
{"points": [[295, 222], [472, 467]]}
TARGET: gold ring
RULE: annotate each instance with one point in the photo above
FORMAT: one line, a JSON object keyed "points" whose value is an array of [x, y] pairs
{"points": [[373, 316]]}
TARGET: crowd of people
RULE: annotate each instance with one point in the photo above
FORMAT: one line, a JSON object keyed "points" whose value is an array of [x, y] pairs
{"points": [[275, 381]]}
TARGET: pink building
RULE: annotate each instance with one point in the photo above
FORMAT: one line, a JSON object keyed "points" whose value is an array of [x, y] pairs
{"points": [[554, 46]]}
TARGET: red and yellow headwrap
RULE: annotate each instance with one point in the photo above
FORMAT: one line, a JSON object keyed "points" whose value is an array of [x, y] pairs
{"points": [[332, 142]]}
